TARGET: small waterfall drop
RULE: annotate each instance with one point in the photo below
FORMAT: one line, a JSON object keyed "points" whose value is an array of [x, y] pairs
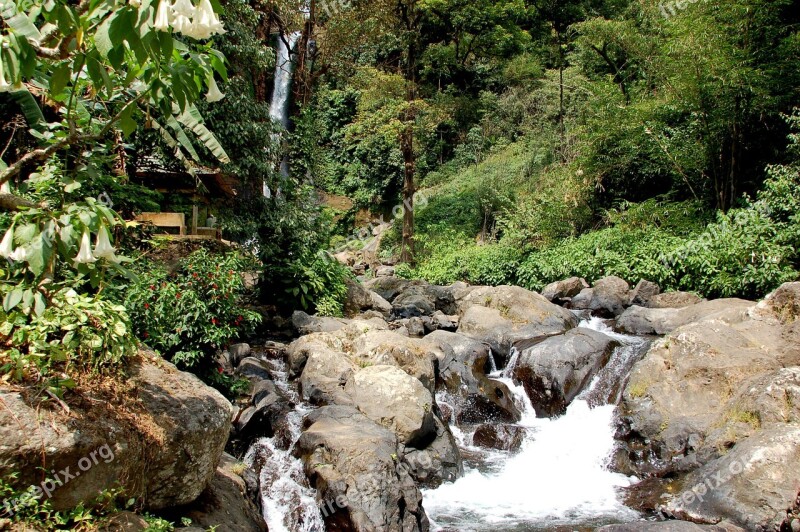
{"points": [[559, 477], [279, 106], [289, 503]]}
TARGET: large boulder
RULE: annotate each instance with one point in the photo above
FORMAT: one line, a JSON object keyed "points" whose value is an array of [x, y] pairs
{"points": [[439, 462], [698, 390], [500, 437], [324, 377], [224, 506], [660, 321], [644, 292], [306, 324], [752, 485], [414, 356], [556, 370], [504, 315], [463, 367], [358, 298], [673, 300], [610, 297], [391, 397], [353, 464], [161, 445]]}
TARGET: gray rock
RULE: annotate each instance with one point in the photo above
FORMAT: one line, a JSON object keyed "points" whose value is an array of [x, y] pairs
{"points": [[415, 327], [385, 271], [239, 352], [352, 462], [610, 297], [644, 292], [357, 299], [463, 367], [414, 356], [439, 462], [500, 437], [379, 304], [666, 526], [504, 315], [391, 397], [253, 369], [563, 290], [324, 376], [660, 321], [305, 324], [556, 370], [752, 485], [179, 435]]}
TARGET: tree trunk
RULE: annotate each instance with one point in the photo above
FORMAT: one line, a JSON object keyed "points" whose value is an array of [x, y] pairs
{"points": [[409, 189]]}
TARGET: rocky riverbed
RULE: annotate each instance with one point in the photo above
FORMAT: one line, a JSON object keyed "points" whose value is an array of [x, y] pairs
{"points": [[425, 385]]}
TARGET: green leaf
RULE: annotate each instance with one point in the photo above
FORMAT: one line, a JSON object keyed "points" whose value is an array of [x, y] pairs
{"points": [[192, 119], [126, 122], [30, 108], [40, 303], [182, 138], [59, 79], [18, 21], [12, 299]]}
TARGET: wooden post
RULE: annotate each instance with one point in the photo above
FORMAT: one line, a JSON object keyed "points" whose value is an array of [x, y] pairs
{"points": [[194, 219]]}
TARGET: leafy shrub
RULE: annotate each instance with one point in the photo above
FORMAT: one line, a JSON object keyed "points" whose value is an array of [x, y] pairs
{"points": [[188, 314]]}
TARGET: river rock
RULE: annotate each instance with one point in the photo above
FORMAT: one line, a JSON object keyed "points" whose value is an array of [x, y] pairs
{"points": [[385, 271], [667, 526], [610, 297], [391, 397], [439, 462], [644, 292], [358, 298], [324, 376], [414, 356], [701, 383], [556, 370], [253, 369], [560, 291], [463, 367], [752, 485], [500, 437], [380, 305], [165, 454], [306, 324], [389, 287], [352, 463], [224, 505], [644, 321], [239, 352], [504, 315]]}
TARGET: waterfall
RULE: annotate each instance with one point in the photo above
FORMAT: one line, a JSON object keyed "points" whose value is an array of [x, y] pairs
{"points": [[279, 106], [559, 477]]}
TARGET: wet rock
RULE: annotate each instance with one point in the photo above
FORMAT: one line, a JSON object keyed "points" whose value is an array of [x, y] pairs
{"points": [[239, 352], [439, 462], [500, 437], [556, 370], [396, 400], [180, 429], [463, 367], [253, 369], [352, 463], [224, 506], [565, 290], [644, 292], [752, 485]]}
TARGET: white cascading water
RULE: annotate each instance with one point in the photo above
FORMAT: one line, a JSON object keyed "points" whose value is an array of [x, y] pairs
{"points": [[279, 106], [558, 478], [289, 503]]}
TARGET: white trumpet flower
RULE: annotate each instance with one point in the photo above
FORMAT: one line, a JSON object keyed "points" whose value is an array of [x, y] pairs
{"points": [[210, 19], [20, 255], [213, 94], [162, 16], [85, 253], [182, 13], [4, 85], [7, 245], [103, 248]]}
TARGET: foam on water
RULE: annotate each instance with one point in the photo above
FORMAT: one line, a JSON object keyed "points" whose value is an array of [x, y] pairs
{"points": [[559, 476]]}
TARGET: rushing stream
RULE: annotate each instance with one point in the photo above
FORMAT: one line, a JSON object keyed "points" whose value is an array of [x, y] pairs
{"points": [[558, 477]]}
